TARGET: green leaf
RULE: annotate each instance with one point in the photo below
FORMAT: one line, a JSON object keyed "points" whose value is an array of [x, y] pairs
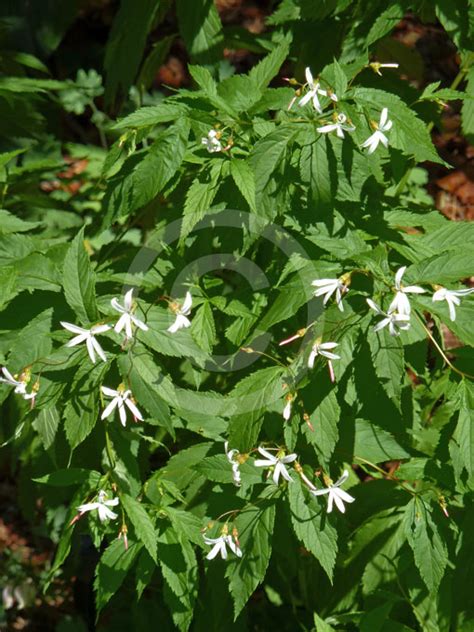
{"points": [[46, 425], [388, 360], [203, 78], [318, 173], [429, 550], [33, 342], [79, 281], [467, 113], [82, 408], [146, 173], [200, 196], [268, 152], [112, 569], [265, 70], [375, 444], [312, 527], [11, 224], [255, 527], [201, 29], [247, 402], [126, 45], [324, 419], [217, 468], [244, 179], [444, 268], [152, 115], [179, 567], [464, 433], [69, 477], [203, 328], [141, 521]]}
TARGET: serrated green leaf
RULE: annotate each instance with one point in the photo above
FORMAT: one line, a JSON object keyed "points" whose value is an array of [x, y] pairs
{"points": [[244, 179], [200, 196], [203, 328], [312, 527], [255, 527], [142, 523], [388, 360], [112, 569], [46, 425], [375, 444], [325, 432], [79, 281], [464, 433], [428, 549]]}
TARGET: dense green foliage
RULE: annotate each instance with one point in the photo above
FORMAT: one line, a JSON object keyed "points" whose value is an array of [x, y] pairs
{"points": [[230, 191]]}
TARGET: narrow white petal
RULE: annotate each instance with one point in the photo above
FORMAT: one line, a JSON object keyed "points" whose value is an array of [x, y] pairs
{"points": [[374, 306], [263, 463], [267, 455], [338, 500], [109, 391], [128, 300], [289, 458], [309, 76], [398, 276], [329, 355], [116, 305], [140, 324], [135, 412], [110, 408], [214, 551], [343, 478], [326, 129], [122, 412], [113, 502], [286, 475], [383, 323], [120, 324], [88, 507], [77, 340], [311, 359], [188, 303], [328, 345], [305, 99], [452, 309], [330, 500], [74, 328], [98, 348], [100, 329], [414, 289], [90, 348], [277, 471], [320, 492], [383, 117], [128, 326], [347, 498]]}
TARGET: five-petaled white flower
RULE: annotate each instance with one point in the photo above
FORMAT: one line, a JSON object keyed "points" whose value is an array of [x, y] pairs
{"points": [[230, 454], [121, 397], [212, 142], [335, 495], [102, 505], [321, 348], [452, 298], [220, 544], [378, 136], [400, 303], [277, 462], [181, 311], [328, 287], [127, 318], [87, 335], [339, 126], [313, 92], [393, 319]]}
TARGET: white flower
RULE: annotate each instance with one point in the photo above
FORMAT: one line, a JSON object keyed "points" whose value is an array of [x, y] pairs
{"points": [[19, 384], [400, 303], [328, 287], [378, 136], [277, 462], [394, 320], [335, 495], [127, 317], [321, 348], [339, 126], [230, 454], [219, 546], [87, 335], [102, 506], [181, 312], [452, 298], [121, 398], [212, 142], [313, 92]]}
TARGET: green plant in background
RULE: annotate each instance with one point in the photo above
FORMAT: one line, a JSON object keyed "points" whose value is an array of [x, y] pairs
{"points": [[224, 317]]}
